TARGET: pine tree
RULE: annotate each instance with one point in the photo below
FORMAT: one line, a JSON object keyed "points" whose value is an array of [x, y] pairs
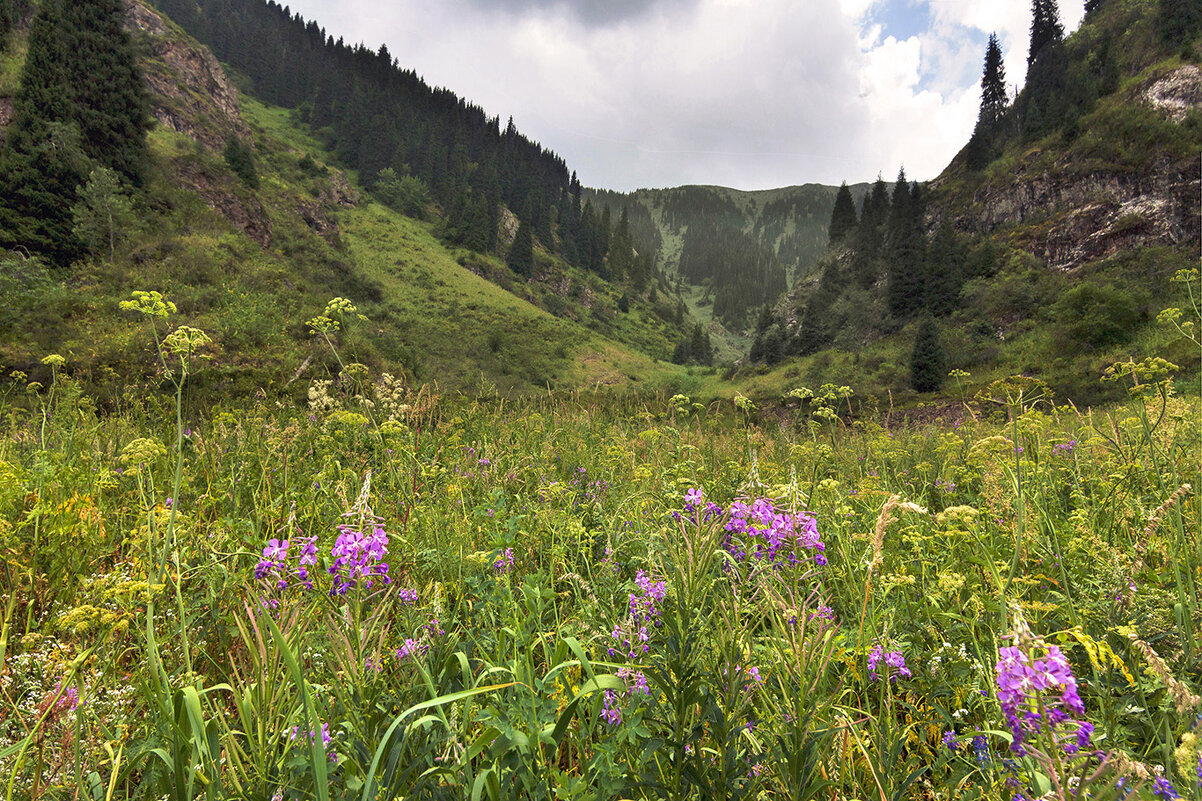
{"points": [[521, 254], [993, 84], [843, 216], [1045, 28], [104, 215], [1178, 20], [1092, 5], [927, 361]]}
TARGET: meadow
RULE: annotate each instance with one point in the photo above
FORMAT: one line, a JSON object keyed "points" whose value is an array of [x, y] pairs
{"points": [[373, 590]]}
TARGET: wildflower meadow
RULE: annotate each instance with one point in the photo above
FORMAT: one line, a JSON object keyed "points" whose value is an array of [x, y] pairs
{"points": [[359, 588]]}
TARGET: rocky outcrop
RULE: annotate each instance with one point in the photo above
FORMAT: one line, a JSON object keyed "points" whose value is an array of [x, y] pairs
{"points": [[189, 90], [6, 115], [242, 209], [1075, 219], [339, 192], [1069, 216], [1176, 94]]}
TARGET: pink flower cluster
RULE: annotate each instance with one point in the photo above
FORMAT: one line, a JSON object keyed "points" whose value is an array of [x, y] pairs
{"points": [[276, 556], [759, 530], [895, 660], [1041, 692], [358, 555]]}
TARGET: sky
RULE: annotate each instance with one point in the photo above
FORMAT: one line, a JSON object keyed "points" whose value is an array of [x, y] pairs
{"points": [[751, 94]]}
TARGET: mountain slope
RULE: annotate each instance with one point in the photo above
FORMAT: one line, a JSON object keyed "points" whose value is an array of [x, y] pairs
{"points": [[251, 246], [747, 246], [1048, 246]]}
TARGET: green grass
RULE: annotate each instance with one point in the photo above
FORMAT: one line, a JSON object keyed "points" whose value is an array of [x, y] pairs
{"points": [[523, 527]]}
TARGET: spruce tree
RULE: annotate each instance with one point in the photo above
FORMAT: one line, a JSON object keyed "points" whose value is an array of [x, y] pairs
{"points": [[80, 104], [1045, 28], [927, 360], [944, 273], [843, 216], [993, 84], [521, 254], [1178, 20]]}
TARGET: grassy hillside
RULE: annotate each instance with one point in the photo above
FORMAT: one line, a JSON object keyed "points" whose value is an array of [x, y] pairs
{"points": [[789, 221], [1062, 251], [251, 264]]}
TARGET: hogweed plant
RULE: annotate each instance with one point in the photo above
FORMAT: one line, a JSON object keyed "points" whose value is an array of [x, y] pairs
{"points": [[385, 596]]}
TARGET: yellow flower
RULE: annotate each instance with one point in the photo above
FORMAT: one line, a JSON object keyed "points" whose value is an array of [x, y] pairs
{"points": [[150, 304]]}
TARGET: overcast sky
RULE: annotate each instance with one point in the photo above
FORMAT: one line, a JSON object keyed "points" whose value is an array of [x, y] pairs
{"points": [[752, 94]]}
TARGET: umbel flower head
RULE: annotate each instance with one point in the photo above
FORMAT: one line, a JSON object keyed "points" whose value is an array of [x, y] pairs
{"points": [[149, 304]]}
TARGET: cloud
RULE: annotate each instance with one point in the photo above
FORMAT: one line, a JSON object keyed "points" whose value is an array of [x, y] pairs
{"points": [[590, 12], [746, 93]]}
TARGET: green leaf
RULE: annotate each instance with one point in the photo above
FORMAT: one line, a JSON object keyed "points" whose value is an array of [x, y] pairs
{"points": [[433, 702]]}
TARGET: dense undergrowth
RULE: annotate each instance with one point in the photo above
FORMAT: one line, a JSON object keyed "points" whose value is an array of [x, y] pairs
{"points": [[387, 593]]}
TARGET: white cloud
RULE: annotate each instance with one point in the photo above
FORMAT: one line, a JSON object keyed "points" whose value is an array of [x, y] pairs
{"points": [[746, 93]]}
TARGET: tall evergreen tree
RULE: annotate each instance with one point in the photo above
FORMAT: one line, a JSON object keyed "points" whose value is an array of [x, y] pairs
{"points": [[993, 84], [521, 254], [1045, 27], [843, 216], [621, 251], [927, 360], [80, 104], [1092, 5], [944, 271], [10, 13], [1178, 20]]}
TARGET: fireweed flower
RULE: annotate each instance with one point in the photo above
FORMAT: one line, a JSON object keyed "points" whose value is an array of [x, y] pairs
{"points": [[761, 532], [1037, 689], [895, 660], [631, 634]]}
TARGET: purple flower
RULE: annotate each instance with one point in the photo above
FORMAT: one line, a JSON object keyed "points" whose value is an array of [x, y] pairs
{"points": [[1025, 683], [356, 557], [612, 711], [504, 563], [894, 659], [636, 681], [1162, 788], [311, 736], [411, 648], [949, 739], [980, 747]]}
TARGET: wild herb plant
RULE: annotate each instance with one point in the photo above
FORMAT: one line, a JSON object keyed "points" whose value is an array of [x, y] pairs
{"points": [[372, 590]]}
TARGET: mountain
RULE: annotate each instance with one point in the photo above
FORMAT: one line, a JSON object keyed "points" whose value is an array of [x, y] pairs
{"points": [[251, 216], [1050, 244], [729, 251]]}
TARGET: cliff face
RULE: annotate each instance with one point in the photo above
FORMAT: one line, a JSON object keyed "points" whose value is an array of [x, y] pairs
{"points": [[189, 90], [1068, 214]]}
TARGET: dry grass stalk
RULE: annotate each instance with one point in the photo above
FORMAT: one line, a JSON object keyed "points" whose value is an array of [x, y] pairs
{"points": [[1154, 524], [1182, 697]]}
